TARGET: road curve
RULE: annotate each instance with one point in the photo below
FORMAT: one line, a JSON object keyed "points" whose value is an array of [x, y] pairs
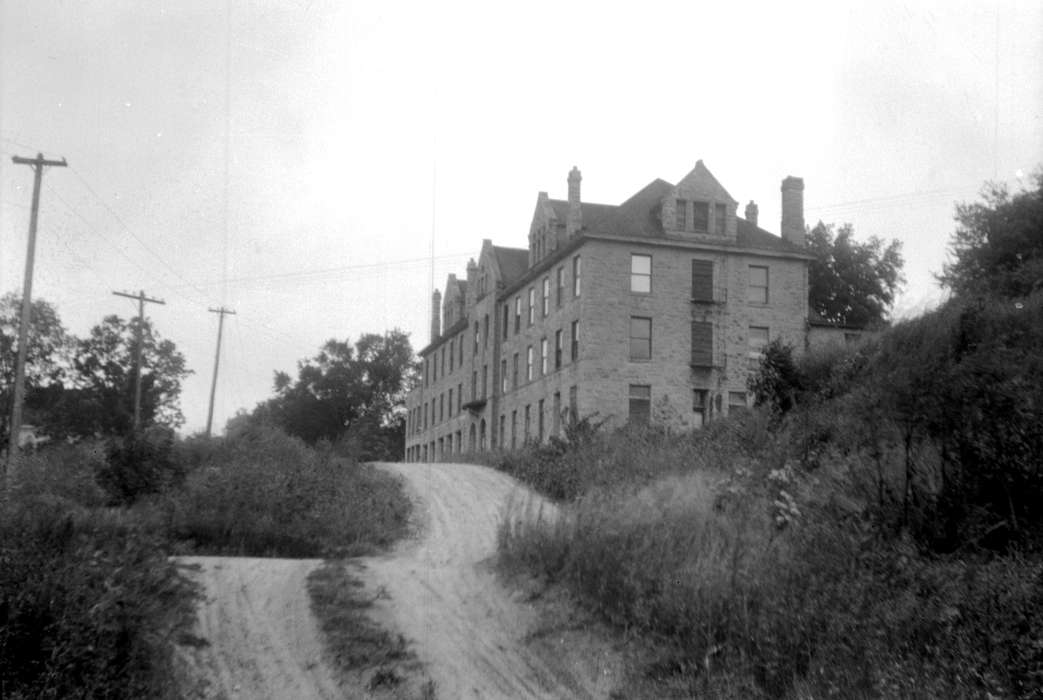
{"points": [[470, 633]]}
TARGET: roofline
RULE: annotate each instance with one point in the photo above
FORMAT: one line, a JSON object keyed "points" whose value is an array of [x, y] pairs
{"points": [[700, 245]]}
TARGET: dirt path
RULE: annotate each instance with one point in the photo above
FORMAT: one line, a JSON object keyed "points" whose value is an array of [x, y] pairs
{"points": [[475, 638], [263, 641]]}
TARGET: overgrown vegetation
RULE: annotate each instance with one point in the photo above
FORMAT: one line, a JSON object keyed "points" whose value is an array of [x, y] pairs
{"points": [[873, 529], [90, 603]]}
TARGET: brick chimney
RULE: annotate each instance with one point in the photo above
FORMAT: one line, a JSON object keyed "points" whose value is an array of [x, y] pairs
{"points": [[436, 315], [792, 228], [574, 222], [751, 212]]}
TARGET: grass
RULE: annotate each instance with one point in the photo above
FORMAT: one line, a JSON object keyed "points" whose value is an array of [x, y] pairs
{"points": [[357, 645], [749, 577]]}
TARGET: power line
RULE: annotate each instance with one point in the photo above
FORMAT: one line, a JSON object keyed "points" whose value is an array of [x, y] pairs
{"points": [[140, 296], [221, 312]]}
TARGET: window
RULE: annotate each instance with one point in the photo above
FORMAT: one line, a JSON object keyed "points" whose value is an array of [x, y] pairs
{"points": [[528, 364], [574, 352], [561, 286], [758, 288], [543, 356], [555, 419], [736, 401], [485, 331], [514, 372], [640, 403], [699, 407], [514, 429], [702, 344], [460, 347], [702, 280], [452, 349], [441, 407], [557, 349], [517, 314], [532, 305], [506, 319], [528, 420], [682, 215], [459, 397], [574, 402], [640, 338], [503, 429], [443, 360], [503, 376], [720, 214], [701, 216], [641, 273], [425, 415], [758, 338], [539, 421], [485, 381], [576, 270], [474, 385], [450, 403], [546, 297], [476, 336]]}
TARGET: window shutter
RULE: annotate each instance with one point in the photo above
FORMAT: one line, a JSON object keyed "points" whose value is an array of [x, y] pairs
{"points": [[702, 344], [702, 280]]}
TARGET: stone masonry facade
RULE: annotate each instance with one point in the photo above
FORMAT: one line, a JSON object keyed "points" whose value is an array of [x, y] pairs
{"points": [[654, 310]]}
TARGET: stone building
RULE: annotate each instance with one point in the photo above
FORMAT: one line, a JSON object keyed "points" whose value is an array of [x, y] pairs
{"points": [[655, 309]]}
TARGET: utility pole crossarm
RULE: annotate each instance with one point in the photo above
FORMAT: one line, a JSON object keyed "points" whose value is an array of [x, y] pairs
{"points": [[141, 299], [39, 160], [221, 312]]}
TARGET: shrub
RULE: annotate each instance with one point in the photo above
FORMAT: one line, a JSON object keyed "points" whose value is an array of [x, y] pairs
{"points": [[89, 605], [270, 495], [139, 464]]}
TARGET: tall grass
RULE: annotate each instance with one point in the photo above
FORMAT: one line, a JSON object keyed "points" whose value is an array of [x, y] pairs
{"points": [[268, 494]]}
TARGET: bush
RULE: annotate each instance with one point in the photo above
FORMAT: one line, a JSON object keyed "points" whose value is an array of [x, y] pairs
{"points": [[139, 464], [89, 605], [267, 494]]}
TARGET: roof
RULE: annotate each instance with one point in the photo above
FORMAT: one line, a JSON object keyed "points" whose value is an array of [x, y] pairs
{"points": [[513, 263], [638, 216], [592, 211], [749, 235]]}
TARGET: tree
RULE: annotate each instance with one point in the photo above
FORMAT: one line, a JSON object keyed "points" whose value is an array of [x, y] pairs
{"points": [[100, 396], [47, 354], [358, 388], [852, 283], [997, 247]]}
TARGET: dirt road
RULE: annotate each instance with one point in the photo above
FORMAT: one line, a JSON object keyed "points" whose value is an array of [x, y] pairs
{"points": [[476, 639], [262, 639]]}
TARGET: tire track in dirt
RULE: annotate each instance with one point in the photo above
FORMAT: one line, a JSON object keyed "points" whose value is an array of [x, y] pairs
{"points": [[472, 635]]}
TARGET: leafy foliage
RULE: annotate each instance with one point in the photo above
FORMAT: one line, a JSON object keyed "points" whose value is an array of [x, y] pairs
{"points": [[348, 391], [997, 247], [852, 283]]}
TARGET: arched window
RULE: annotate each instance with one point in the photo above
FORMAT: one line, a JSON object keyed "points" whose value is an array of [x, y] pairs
{"points": [[481, 436]]}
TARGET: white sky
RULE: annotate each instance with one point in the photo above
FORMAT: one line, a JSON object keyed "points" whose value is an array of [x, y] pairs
{"points": [[338, 115]]}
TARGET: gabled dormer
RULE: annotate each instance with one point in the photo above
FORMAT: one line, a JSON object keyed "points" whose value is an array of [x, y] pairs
{"points": [[698, 207]]}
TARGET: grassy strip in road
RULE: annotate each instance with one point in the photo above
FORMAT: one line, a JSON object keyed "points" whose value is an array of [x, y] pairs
{"points": [[356, 644]]}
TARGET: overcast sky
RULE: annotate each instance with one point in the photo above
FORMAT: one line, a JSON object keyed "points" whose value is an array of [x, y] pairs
{"points": [[291, 160]]}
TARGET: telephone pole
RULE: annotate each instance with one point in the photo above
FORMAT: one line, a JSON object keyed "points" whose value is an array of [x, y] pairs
{"points": [[38, 163], [140, 296], [217, 360]]}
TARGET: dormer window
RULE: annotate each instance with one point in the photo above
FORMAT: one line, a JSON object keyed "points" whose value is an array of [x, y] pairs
{"points": [[720, 214], [682, 214]]}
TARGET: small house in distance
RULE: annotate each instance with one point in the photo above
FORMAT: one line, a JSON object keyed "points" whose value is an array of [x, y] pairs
{"points": [[655, 309]]}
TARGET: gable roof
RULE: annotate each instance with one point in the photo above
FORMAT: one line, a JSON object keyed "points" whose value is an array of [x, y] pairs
{"points": [[513, 263], [703, 181]]}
